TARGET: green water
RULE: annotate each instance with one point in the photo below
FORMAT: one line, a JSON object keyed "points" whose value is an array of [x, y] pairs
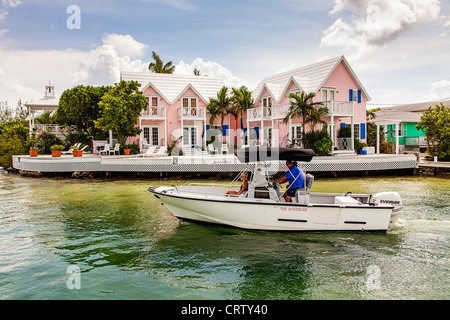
{"points": [[128, 246]]}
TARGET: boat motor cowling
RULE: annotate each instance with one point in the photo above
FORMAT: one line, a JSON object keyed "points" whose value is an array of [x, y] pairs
{"points": [[389, 198]]}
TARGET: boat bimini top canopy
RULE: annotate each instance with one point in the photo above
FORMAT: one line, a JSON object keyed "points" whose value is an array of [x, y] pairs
{"points": [[262, 153]]}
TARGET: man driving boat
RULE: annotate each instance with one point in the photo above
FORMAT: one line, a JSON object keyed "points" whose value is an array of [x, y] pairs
{"points": [[296, 178]]}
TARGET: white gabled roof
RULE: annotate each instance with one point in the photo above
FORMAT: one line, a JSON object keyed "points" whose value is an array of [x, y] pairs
{"points": [[171, 86], [309, 78]]}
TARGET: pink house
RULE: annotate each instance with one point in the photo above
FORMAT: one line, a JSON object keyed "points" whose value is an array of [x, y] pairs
{"points": [[177, 105], [335, 85]]}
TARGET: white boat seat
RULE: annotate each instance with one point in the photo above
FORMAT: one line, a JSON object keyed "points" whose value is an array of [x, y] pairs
{"points": [[302, 195], [346, 201]]}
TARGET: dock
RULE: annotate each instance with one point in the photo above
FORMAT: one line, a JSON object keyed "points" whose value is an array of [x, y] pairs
{"points": [[434, 168], [218, 164]]}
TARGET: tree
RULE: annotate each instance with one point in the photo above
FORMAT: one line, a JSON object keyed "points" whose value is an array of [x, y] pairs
{"points": [[435, 123], [8, 113], [120, 110], [242, 101], [315, 116], [213, 110], [222, 103], [301, 107], [13, 138], [79, 107], [370, 114], [159, 67]]}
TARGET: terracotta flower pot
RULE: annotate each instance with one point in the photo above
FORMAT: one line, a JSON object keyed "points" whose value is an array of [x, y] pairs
{"points": [[33, 153], [126, 151], [56, 153], [77, 153]]}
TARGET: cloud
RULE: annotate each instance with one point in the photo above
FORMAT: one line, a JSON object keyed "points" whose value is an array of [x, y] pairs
{"points": [[211, 69], [377, 23], [125, 45], [11, 3], [177, 4], [3, 15], [27, 72], [23, 74], [439, 90]]}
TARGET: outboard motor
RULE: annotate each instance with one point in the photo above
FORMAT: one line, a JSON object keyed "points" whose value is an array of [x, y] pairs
{"points": [[389, 198]]}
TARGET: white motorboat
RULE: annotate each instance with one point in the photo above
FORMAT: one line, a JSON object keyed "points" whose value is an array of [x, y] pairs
{"points": [[263, 206]]}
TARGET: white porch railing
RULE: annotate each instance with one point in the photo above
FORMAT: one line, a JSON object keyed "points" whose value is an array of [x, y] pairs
{"points": [[191, 113], [339, 108], [279, 111], [55, 129], [154, 113]]}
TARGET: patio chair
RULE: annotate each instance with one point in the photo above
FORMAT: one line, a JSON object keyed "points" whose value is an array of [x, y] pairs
{"points": [[162, 151], [150, 151], [106, 149], [116, 149], [145, 144], [224, 148], [84, 148], [212, 149], [70, 151]]}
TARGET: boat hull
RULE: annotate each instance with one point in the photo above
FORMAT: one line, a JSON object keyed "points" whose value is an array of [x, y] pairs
{"points": [[274, 216]]}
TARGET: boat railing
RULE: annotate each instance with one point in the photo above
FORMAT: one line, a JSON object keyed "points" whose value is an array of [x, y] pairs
{"points": [[207, 184], [211, 192]]}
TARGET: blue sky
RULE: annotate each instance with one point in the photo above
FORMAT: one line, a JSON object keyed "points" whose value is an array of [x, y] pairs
{"points": [[398, 48]]}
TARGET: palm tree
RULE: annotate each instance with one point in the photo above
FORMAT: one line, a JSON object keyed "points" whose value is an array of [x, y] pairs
{"points": [[214, 111], [223, 102], [242, 101], [301, 107], [159, 67], [315, 116]]}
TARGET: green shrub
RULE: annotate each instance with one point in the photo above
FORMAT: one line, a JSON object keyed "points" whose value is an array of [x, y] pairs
{"points": [[13, 137], [319, 141], [45, 140]]}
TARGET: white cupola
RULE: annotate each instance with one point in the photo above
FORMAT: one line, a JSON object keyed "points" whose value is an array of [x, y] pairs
{"points": [[49, 91]]}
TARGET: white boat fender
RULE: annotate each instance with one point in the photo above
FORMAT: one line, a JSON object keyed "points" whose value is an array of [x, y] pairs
{"points": [[388, 198]]}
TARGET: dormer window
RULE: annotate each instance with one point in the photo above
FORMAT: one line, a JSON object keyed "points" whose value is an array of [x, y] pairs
{"points": [[328, 94]]}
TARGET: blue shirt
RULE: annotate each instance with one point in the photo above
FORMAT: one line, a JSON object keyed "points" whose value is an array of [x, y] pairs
{"points": [[292, 175]]}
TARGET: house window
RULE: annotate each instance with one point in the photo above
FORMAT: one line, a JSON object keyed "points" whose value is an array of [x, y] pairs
{"points": [[151, 135], [153, 103], [189, 136], [296, 135], [189, 106], [267, 136], [402, 130], [297, 92], [355, 95], [328, 94], [267, 106], [356, 128]]}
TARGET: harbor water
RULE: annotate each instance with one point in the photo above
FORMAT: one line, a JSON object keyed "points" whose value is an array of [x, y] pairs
{"points": [[110, 239]]}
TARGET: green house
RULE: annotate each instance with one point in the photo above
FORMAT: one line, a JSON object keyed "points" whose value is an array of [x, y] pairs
{"points": [[400, 122]]}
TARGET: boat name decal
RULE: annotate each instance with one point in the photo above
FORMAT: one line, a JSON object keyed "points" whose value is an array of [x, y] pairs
{"points": [[293, 209]]}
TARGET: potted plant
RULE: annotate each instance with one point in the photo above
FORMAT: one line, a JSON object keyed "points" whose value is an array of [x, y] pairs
{"points": [[126, 149], [34, 151], [56, 150], [76, 151]]}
